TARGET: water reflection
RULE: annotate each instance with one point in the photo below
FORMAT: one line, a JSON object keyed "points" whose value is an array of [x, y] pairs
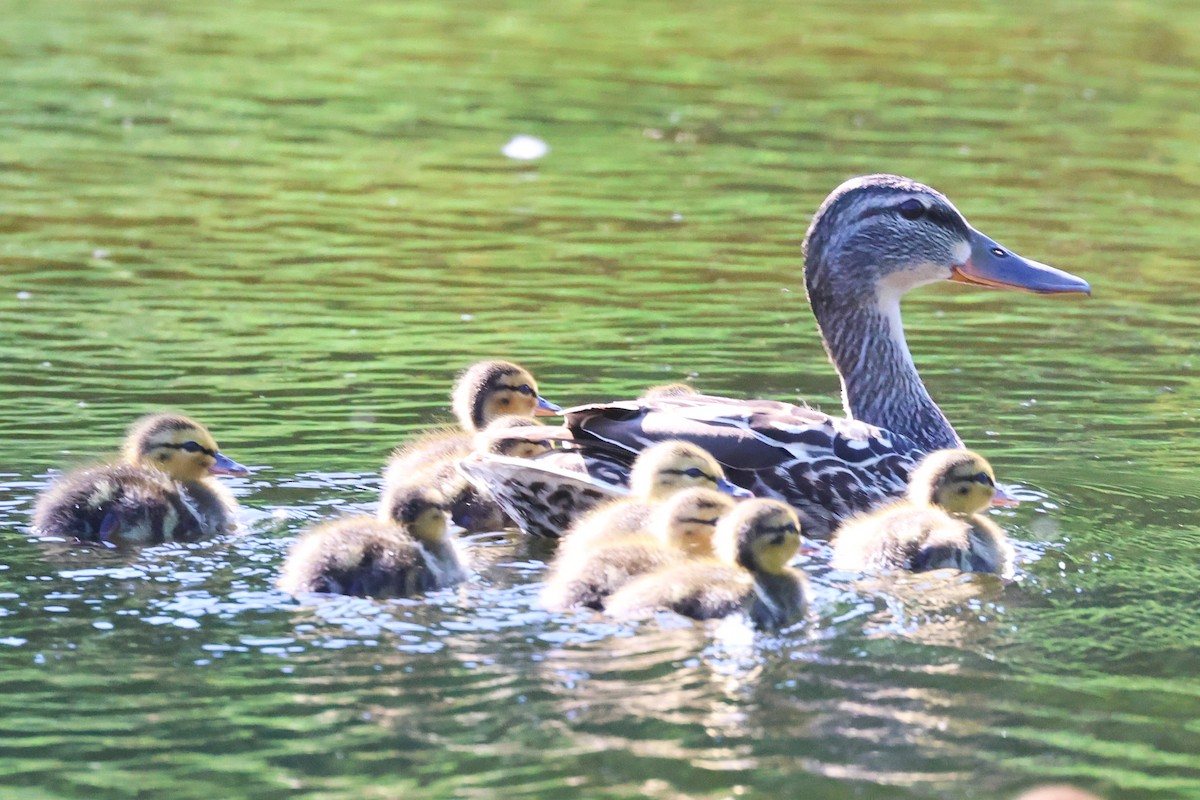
{"points": [[307, 258]]}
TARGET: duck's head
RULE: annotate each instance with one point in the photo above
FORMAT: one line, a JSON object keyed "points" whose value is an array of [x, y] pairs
{"points": [[179, 446], [960, 481], [668, 467], [492, 389], [492, 439], [876, 237], [687, 521], [422, 512], [760, 535]]}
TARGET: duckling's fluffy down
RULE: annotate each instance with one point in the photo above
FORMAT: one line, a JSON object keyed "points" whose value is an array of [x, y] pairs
{"points": [[358, 556], [586, 577], [904, 537], [124, 503], [707, 589]]}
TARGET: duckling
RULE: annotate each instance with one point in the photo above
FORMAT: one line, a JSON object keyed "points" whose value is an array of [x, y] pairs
{"points": [[487, 391], [413, 509], [492, 440], [668, 390], [659, 472], [161, 490], [680, 528], [938, 526], [754, 542], [389, 556]]}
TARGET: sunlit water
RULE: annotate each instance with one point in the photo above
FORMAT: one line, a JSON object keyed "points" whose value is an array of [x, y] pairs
{"points": [[297, 224]]}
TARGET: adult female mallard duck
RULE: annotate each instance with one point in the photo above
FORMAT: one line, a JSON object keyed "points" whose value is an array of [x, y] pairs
{"points": [[939, 526], [483, 394], [682, 527], [551, 498], [754, 542], [871, 241], [405, 551], [161, 490]]}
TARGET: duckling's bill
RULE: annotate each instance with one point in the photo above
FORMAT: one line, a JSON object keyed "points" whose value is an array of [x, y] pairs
{"points": [[989, 264], [546, 409], [224, 465], [1005, 497], [732, 489]]}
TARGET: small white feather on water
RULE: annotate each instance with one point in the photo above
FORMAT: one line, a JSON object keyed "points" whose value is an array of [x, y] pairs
{"points": [[525, 148]]}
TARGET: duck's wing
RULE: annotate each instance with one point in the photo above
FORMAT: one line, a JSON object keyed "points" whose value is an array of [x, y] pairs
{"points": [[828, 468], [543, 495]]}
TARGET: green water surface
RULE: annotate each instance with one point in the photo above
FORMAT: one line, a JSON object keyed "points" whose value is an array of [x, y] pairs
{"points": [[294, 221]]}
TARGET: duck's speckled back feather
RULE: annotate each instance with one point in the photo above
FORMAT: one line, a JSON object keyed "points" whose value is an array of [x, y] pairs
{"points": [[541, 496], [828, 468]]}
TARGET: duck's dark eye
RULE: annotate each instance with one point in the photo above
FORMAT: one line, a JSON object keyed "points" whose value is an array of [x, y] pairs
{"points": [[964, 489], [984, 478], [912, 208], [526, 389], [191, 447], [694, 472]]}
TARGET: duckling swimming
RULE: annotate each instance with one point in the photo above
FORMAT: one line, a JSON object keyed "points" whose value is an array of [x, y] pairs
{"points": [[938, 526], [161, 490], [491, 439], [668, 390], [754, 542], [659, 472], [680, 528], [485, 392], [389, 556]]}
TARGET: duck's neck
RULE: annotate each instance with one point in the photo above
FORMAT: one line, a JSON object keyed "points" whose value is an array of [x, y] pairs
{"points": [[880, 384]]}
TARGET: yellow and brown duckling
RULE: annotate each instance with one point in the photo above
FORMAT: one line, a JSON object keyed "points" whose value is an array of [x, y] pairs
{"points": [[161, 490], [402, 552], [484, 393], [658, 473], [492, 439], [940, 524], [754, 543], [680, 528], [668, 390]]}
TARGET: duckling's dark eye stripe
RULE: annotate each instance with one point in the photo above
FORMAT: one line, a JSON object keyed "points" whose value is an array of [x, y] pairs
{"points": [[699, 521], [778, 530], [691, 472], [984, 478], [191, 447], [524, 388]]}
